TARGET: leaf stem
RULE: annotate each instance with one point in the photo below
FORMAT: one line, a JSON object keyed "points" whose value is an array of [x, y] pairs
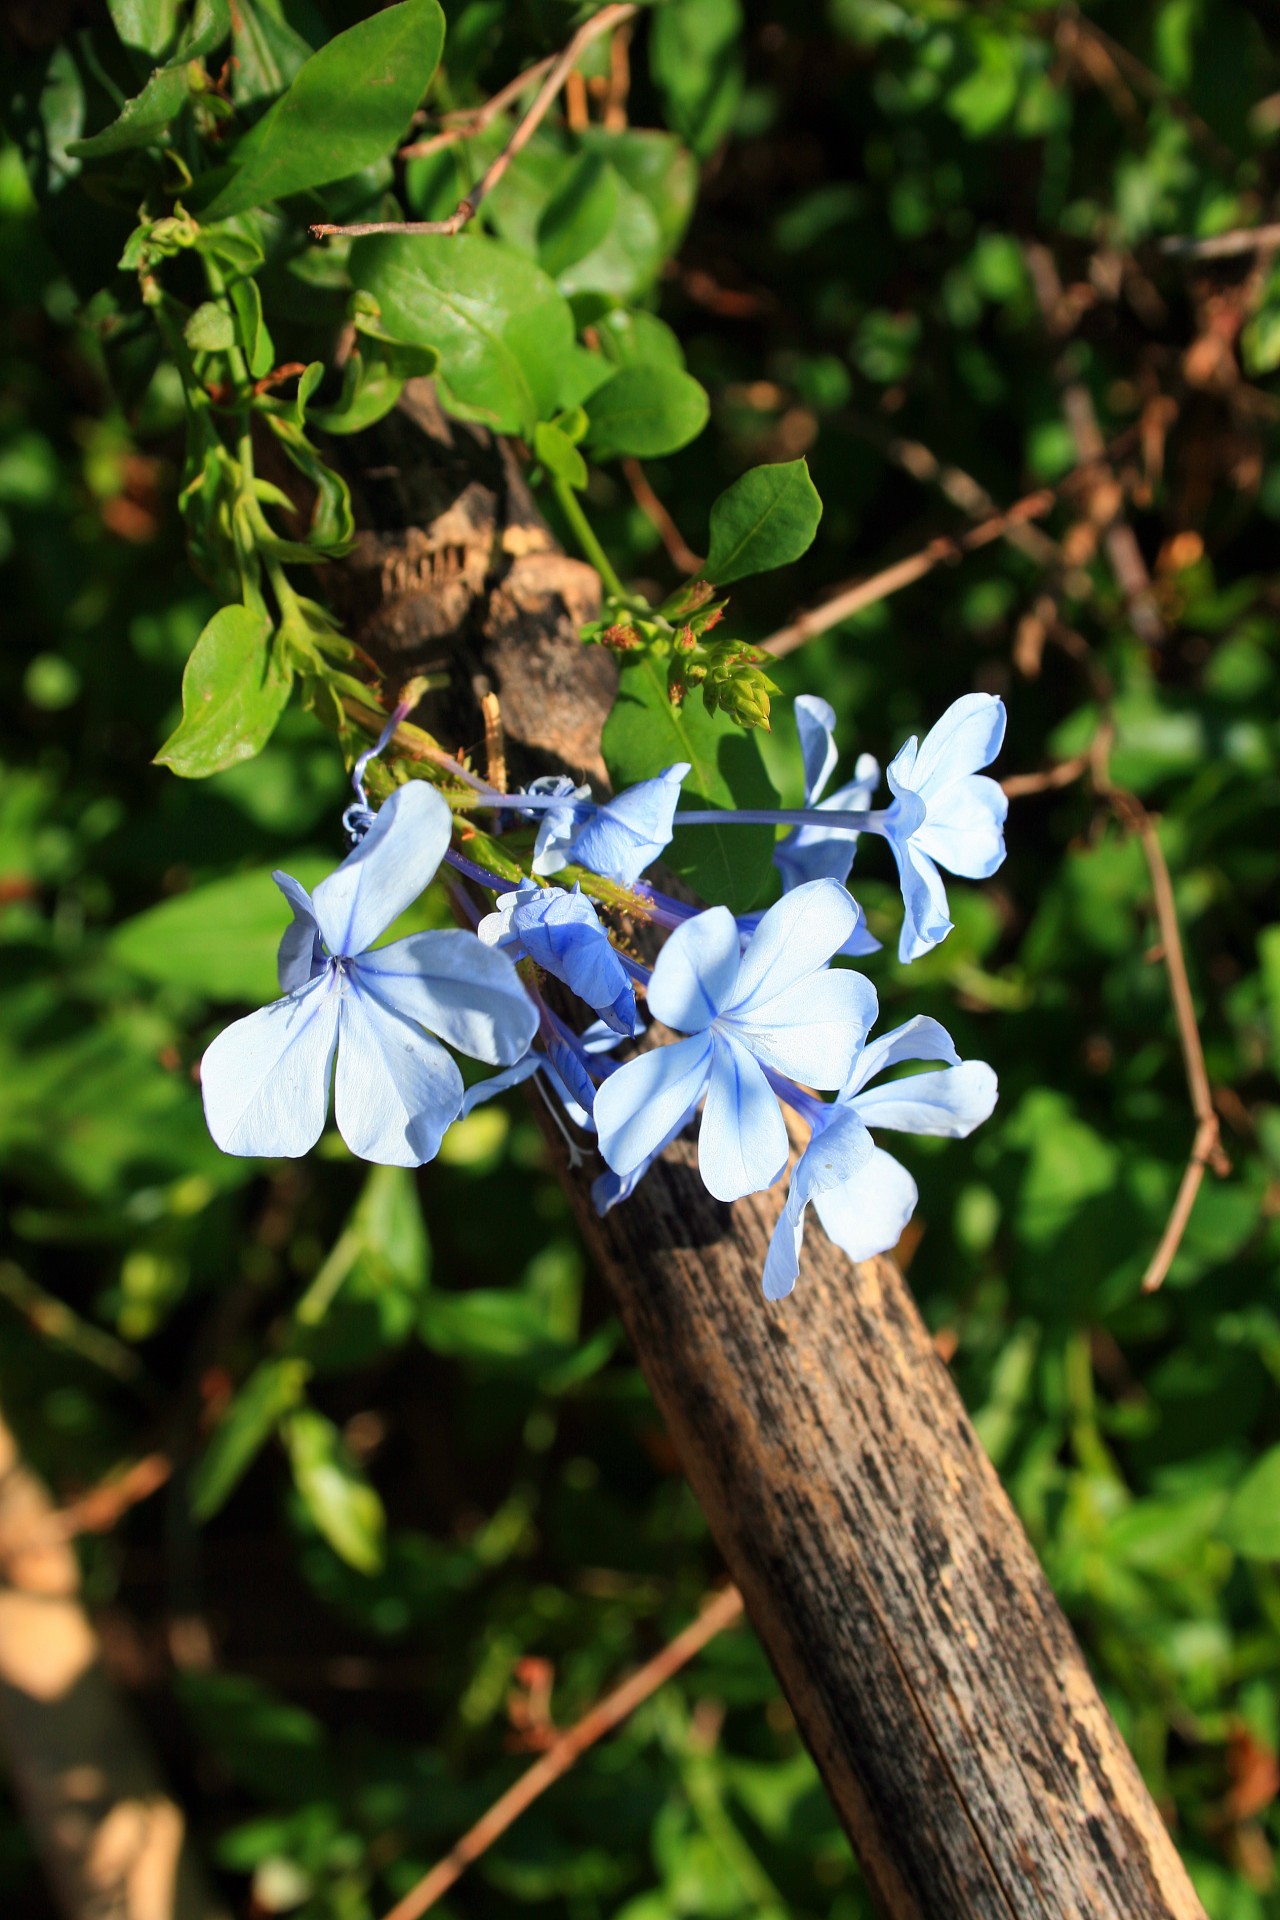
{"points": [[586, 539]]}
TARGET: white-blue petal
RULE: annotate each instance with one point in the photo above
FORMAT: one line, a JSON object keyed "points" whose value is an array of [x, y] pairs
{"points": [[967, 738], [265, 1080], [386, 872], [300, 956], [949, 1104], [396, 1090], [456, 987], [865, 1215], [696, 971], [838, 1150], [637, 1107], [964, 830], [500, 1082], [795, 939], [924, 902], [816, 726], [812, 1032], [742, 1143], [920, 1038]]}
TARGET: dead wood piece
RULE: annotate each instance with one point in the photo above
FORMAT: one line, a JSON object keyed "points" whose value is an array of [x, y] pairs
{"points": [[113, 1841]]}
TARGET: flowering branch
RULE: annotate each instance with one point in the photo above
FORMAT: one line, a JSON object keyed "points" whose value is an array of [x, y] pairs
{"points": [[467, 208], [567, 1749]]}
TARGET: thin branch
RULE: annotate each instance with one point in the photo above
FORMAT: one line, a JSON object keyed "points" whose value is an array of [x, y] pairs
{"points": [[464, 126], [558, 72], [865, 593], [1222, 246], [1118, 538], [104, 1506], [721, 1612], [1018, 785], [679, 551], [1074, 29]]}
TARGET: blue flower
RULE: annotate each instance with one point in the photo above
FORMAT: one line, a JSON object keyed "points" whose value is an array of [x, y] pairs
{"points": [[266, 1079], [563, 1050], [824, 853], [864, 1198], [774, 1007], [558, 824], [945, 813], [626, 834], [562, 934]]}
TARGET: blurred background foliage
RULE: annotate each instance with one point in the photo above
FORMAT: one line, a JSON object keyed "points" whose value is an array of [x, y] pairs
{"points": [[440, 1462]]}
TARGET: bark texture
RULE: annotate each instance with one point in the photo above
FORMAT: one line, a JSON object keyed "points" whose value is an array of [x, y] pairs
{"points": [[112, 1839], [931, 1672]]}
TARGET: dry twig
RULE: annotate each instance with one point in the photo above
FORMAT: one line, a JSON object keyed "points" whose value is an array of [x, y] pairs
{"points": [[557, 74], [719, 1613], [465, 126], [1223, 246], [678, 549]]}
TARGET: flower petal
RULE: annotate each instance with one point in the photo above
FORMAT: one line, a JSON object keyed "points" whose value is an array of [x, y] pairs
{"points": [[920, 1038], [949, 1104], [837, 1152], [742, 1143], [964, 831], [695, 972], [609, 1188], [795, 939], [925, 921], [497, 1083], [456, 987], [397, 1090], [816, 725], [826, 853], [967, 738], [867, 1213], [814, 1031], [300, 957], [265, 1080], [386, 872], [627, 833], [562, 933], [637, 1107]]}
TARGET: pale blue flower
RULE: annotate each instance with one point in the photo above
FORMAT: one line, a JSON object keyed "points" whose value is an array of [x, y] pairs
{"points": [[863, 1196], [774, 1007], [814, 852], [626, 834], [562, 934], [597, 1041], [945, 813], [266, 1079], [557, 824]]}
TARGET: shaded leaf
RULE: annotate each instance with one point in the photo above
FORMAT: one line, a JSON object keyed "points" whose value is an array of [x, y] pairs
{"points": [[766, 519], [233, 693]]}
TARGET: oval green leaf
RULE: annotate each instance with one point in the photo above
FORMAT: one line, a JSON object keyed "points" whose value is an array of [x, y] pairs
{"points": [[766, 519], [645, 410], [341, 1502], [145, 117], [233, 692]]}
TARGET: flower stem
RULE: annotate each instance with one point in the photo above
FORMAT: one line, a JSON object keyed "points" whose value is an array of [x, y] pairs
{"points": [[829, 817], [586, 539]]}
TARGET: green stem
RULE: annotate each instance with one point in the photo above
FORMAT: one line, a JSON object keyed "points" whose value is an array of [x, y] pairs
{"points": [[586, 539]]}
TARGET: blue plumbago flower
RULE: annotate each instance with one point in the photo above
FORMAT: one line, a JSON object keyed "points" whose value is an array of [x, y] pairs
{"points": [[557, 823], [266, 1079], [774, 1007], [813, 852], [562, 934], [608, 1188], [863, 1196], [945, 814], [626, 834], [598, 1040]]}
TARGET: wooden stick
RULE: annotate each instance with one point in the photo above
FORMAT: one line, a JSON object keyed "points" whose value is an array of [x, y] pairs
{"points": [[1222, 246], [464, 126], [567, 1749], [849, 600], [557, 73]]}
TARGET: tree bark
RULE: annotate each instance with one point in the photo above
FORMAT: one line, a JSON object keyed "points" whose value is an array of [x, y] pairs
{"points": [[112, 1840], [932, 1674]]}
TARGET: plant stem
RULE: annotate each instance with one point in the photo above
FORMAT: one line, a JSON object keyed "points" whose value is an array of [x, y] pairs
{"points": [[586, 539]]}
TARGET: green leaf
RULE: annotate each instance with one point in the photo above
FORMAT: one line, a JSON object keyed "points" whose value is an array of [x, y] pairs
{"points": [[558, 454], [766, 519], [657, 166], [259, 350], [210, 329], [348, 106], [1251, 1523], [270, 1392], [695, 52], [268, 52], [645, 733], [339, 1499], [646, 410], [504, 333], [220, 940], [489, 1324], [578, 215], [145, 117], [233, 693], [145, 26], [631, 338]]}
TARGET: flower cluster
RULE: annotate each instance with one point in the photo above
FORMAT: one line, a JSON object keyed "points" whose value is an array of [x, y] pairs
{"points": [[761, 1018]]}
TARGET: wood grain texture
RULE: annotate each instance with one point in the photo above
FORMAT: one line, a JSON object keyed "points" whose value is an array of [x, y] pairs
{"points": [[931, 1672]]}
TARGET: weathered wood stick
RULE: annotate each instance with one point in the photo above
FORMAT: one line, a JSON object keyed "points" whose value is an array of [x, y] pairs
{"points": [[931, 1672]]}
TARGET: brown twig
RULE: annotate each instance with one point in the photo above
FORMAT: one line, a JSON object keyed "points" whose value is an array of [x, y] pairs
{"points": [[1075, 31], [1018, 785], [849, 600], [557, 73], [464, 126], [1222, 246], [1118, 538], [678, 549], [719, 1613], [103, 1506]]}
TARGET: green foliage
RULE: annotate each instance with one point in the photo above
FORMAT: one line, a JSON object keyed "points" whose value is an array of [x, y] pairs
{"points": [[234, 690], [645, 409], [766, 519]]}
